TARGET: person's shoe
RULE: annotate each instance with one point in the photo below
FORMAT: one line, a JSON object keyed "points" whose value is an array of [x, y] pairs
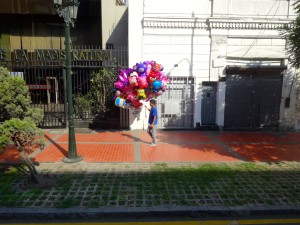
{"points": [[153, 144]]}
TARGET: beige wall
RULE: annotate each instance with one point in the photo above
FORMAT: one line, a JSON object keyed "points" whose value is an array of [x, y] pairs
{"points": [[114, 23]]}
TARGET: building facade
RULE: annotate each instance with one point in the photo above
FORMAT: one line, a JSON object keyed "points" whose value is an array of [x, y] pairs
{"points": [[226, 60], [32, 46]]}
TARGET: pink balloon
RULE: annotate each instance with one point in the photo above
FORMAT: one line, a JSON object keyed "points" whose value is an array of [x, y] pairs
{"points": [[132, 79], [159, 93], [142, 81], [149, 67], [150, 95], [145, 80], [120, 85]]}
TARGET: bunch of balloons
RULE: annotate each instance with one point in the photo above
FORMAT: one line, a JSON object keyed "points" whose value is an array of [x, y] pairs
{"points": [[141, 82]]}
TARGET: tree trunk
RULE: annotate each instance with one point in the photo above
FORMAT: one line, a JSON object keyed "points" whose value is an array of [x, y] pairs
{"points": [[33, 172]]}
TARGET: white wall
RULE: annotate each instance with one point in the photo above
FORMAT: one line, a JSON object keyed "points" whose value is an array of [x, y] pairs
{"points": [[135, 31], [171, 8], [188, 48], [184, 53], [287, 114], [189, 51], [253, 8], [135, 46], [183, 34]]}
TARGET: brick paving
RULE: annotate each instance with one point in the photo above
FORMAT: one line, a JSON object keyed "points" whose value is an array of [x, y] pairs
{"points": [[90, 152], [185, 153], [120, 169], [175, 146], [269, 152], [172, 146]]}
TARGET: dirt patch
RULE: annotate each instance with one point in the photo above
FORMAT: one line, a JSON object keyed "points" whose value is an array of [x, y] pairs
{"points": [[45, 182]]}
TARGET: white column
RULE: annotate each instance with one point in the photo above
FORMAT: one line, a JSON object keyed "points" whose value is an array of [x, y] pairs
{"points": [[135, 46]]}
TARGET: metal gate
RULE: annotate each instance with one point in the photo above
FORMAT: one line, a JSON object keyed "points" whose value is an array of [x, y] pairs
{"points": [[44, 73], [176, 105], [253, 100], [47, 90]]}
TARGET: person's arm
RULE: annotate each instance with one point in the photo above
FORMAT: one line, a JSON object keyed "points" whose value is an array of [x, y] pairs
{"points": [[148, 108], [152, 125]]}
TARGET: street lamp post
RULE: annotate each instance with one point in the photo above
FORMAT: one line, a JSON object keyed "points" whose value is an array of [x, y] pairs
{"points": [[68, 11]]}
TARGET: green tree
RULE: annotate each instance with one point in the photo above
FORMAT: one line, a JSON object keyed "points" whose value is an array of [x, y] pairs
{"points": [[101, 91], [18, 120], [15, 99], [25, 136], [291, 33], [83, 104]]}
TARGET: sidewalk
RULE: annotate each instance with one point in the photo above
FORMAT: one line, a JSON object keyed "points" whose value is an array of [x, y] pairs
{"points": [[172, 146], [191, 173]]}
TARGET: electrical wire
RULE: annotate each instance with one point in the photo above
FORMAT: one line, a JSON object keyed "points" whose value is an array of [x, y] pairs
{"points": [[262, 31]]}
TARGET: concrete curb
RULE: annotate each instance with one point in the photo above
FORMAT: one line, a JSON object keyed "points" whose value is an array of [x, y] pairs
{"points": [[126, 212]]}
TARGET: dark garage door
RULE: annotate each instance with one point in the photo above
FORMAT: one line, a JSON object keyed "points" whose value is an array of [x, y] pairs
{"points": [[252, 98]]}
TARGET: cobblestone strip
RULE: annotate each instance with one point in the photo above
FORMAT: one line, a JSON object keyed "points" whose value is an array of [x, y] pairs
{"points": [[137, 147], [94, 185]]}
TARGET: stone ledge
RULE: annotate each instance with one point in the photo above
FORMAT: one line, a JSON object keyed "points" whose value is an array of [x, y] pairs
{"points": [[121, 212]]}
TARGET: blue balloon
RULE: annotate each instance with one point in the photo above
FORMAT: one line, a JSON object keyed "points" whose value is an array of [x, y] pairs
{"points": [[120, 102], [156, 85]]}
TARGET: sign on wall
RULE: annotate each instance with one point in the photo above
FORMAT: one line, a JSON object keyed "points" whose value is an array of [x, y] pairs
{"points": [[85, 55]]}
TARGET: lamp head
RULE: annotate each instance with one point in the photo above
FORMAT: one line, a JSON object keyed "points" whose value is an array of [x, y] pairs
{"points": [[73, 8], [57, 3], [67, 9]]}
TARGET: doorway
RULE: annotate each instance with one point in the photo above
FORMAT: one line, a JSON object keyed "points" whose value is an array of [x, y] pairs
{"points": [[208, 103], [52, 90]]}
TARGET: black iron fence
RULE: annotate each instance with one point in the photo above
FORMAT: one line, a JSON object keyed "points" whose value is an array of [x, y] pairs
{"points": [[44, 73]]}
